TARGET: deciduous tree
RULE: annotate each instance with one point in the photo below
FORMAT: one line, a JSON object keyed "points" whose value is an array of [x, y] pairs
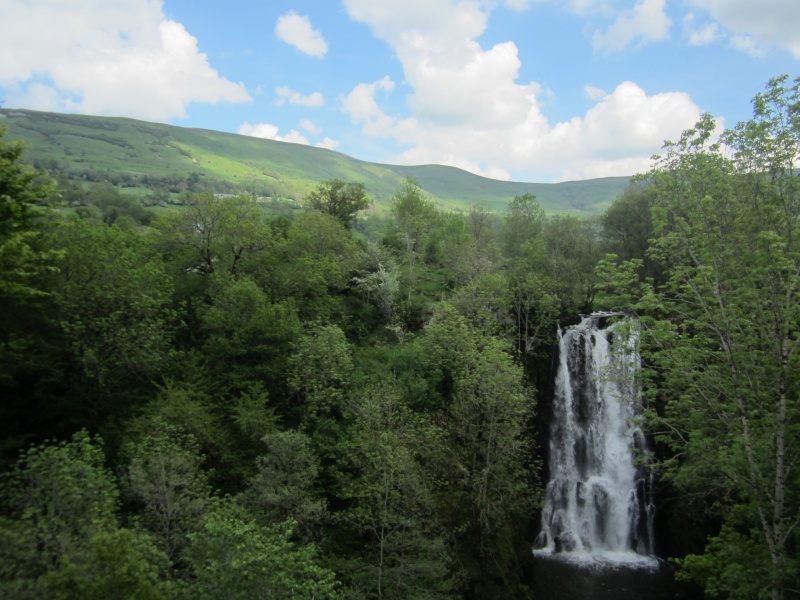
{"points": [[213, 234], [22, 195], [414, 217], [723, 336], [392, 502], [339, 199], [233, 557]]}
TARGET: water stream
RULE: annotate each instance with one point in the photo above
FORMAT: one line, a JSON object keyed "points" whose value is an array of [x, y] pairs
{"points": [[598, 503]]}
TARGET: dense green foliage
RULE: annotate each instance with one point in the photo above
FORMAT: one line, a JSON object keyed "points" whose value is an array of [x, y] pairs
{"points": [[279, 408], [222, 401], [20, 195], [722, 332]]}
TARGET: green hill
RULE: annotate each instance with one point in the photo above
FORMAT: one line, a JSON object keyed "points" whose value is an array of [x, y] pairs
{"points": [[136, 152]]}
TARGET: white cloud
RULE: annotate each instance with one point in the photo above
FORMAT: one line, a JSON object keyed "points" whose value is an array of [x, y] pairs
{"points": [[619, 134], [593, 93], [707, 34], [757, 25], [309, 126], [700, 35], [296, 30], [519, 5], [362, 107], [580, 7], [119, 58], [36, 96], [748, 44], [647, 21], [328, 143], [268, 131], [467, 109], [315, 99], [583, 7]]}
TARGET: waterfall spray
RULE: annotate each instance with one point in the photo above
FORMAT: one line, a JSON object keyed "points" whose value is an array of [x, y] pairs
{"points": [[598, 501]]}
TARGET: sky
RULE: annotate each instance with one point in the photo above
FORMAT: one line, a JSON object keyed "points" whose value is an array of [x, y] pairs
{"points": [[526, 90]]}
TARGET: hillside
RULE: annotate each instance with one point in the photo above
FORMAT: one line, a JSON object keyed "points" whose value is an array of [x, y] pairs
{"points": [[140, 150]]}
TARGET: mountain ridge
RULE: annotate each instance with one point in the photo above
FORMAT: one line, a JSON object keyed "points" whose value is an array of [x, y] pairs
{"points": [[135, 150]]}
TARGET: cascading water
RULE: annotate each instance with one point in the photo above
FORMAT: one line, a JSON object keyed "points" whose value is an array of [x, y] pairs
{"points": [[598, 502]]}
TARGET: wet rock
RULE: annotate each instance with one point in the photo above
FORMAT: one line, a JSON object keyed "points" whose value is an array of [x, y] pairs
{"points": [[540, 541]]}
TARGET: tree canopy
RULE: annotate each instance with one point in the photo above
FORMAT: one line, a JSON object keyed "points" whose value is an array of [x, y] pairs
{"points": [[723, 330], [339, 199], [223, 397]]}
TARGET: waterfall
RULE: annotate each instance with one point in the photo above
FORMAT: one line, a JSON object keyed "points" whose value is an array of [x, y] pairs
{"points": [[598, 501]]}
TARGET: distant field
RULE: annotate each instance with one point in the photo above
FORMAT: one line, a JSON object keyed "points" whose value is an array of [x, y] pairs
{"points": [[137, 148]]}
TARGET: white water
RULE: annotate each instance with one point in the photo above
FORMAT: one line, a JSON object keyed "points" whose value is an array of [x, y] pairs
{"points": [[598, 505]]}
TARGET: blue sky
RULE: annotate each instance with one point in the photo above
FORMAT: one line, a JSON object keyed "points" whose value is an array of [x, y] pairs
{"points": [[529, 90]]}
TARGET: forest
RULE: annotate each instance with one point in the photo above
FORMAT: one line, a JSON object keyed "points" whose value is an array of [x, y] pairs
{"points": [[231, 399]]}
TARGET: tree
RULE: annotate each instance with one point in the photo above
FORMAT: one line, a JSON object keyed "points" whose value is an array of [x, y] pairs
{"points": [[61, 538], [723, 333], [378, 279], [413, 219], [479, 223], [283, 487], [234, 558], [484, 302], [339, 199], [113, 205], [488, 419], [114, 301], [534, 258], [455, 249], [392, 501], [23, 191], [524, 222], [121, 564], [488, 475], [247, 337], [319, 371], [214, 234], [165, 475], [28, 354], [312, 264], [567, 261], [627, 225], [64, 493]]}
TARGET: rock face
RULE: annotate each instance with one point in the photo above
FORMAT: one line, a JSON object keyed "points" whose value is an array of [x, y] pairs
{"points": [[598, 500]]}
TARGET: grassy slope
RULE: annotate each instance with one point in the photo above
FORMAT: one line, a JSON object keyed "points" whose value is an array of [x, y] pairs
{"points": [[137, 147]]}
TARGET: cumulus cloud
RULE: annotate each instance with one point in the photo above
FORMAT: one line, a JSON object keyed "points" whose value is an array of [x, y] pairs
{"points": [[285, 94], [754, 26], [618, 133], [466, 107], [647, 21], [268, 131], [364, 109], [119, 58], [327, 143], [296, 30]]}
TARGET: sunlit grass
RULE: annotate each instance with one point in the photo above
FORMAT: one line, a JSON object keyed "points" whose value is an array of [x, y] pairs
{"points": [[118, 146]]}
